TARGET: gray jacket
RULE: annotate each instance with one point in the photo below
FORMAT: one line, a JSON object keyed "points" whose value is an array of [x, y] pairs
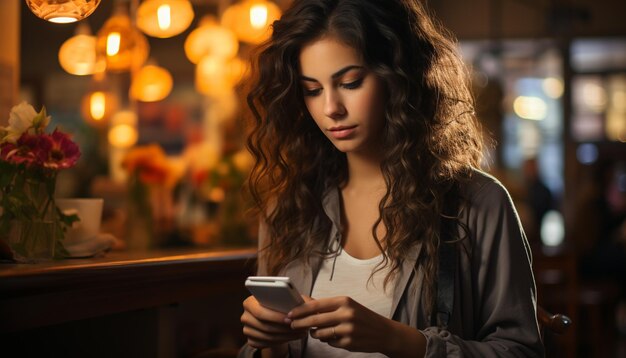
{"points": [[494, 312]]}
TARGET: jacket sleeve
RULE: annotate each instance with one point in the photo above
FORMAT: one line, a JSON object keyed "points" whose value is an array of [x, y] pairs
{"points": [[502, 285]]}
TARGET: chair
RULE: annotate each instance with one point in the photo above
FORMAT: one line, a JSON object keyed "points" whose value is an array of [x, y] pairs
{"points": [[558, 324], [555, 323]]}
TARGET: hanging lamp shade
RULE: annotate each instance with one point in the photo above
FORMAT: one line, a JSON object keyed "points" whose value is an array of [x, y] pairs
{"points": [[62, 11], [77, 54], [100, 101], [251, 19], [216, 76], [120, 43], [151, 83], [164, 18], [97, 107], [210, 38], [211, 76], [123, 131]]}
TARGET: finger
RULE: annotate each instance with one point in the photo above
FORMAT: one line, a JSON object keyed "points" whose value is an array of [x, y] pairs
{"points": [[325, 334], [317, 305], [248, 319], [262, 313], [271, 338], [319, 320]]}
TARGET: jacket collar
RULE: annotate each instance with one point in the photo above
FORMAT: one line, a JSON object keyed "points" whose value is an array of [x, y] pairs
{"points": [[303, 276], [332, 208]]}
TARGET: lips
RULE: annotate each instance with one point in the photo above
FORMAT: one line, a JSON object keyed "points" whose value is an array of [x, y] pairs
{"points": [[341, 132]]}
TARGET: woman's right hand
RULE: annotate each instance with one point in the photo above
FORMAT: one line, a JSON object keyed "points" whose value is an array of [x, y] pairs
{"points": [[265, 327]]}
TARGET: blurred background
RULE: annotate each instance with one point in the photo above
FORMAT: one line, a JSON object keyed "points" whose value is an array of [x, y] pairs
{"points": [[154, 101]]}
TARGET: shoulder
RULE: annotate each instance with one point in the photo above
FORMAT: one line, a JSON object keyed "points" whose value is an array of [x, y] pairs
{"points": [[484, 191], [486, 206]]}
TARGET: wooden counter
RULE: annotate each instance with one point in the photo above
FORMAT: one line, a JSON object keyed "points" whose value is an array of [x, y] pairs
{"points": [[35, 296]]}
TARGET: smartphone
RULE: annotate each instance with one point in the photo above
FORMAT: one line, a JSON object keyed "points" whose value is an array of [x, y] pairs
{"points": [[274, 292]]}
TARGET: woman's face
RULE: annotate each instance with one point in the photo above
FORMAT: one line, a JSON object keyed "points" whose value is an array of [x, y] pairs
{"points": [[345, 99]]}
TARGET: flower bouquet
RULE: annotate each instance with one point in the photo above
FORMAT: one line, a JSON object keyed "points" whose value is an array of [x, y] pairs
{"points": [[152, 178], [221, 184], [30, 222]]}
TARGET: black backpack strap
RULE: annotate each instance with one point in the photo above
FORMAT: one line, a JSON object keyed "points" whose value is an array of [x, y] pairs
{"points": [[445, 281], [447, 266]]}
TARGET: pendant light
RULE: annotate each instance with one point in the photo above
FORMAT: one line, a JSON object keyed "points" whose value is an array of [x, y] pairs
{"points": [[151, 83], [251, 20], [164, 18], [123, 131], [77, 55], [216, 75], [210, 38], [100, 101], [62, 11], [120, 43]]}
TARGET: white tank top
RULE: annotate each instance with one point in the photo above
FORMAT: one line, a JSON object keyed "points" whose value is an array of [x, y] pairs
{"points": [[351, 277]]}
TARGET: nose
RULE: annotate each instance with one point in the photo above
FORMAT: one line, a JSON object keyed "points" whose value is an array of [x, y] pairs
{"points": [[333, 105]]}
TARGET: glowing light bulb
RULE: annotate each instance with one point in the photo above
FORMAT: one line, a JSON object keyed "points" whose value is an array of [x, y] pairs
{"points": [[97, 105], [258, 16], [553, 87], [123, 132], [123, 136], [251, 20], [164, 16], [528, 107], [113, 43], [63, 20]]}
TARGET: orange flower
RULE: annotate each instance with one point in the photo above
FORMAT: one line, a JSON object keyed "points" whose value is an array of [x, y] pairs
{"points": [[152, 166]]}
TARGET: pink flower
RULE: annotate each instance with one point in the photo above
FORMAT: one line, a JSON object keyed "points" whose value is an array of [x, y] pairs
{"points": [[53, 151], [23, 152], [63, 152]]}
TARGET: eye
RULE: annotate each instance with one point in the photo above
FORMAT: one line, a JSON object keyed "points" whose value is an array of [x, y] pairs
{"points": [[353, 85], [311, 92]]}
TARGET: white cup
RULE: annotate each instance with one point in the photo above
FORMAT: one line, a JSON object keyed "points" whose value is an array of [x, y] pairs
{"points": [[89, 211]]}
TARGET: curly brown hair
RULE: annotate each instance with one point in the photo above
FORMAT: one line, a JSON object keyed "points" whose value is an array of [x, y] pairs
{"points": [[431, 137]]}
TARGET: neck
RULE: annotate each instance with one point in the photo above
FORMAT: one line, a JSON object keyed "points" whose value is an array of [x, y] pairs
{"points": [[364, 172]]}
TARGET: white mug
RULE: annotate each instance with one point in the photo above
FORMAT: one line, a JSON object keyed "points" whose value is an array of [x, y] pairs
{"points": [[89, 211]]}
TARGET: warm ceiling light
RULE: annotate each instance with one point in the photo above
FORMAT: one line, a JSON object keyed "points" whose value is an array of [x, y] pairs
{"points": [[553, 87], [211, 39], [215, 75], [123, 132], [151, 83], [97, 107], [258, 16], [529, 107], [99, 103], [251, 19], [122, 45], [113, 43], [164, 18], [62, 11], [77, 55]]}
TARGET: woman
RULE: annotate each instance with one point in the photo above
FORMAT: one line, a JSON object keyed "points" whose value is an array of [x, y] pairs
{"points": [[366, 147]]}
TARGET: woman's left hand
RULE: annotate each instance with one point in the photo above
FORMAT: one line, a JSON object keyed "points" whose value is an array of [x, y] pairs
{"points": [[344, 323]]}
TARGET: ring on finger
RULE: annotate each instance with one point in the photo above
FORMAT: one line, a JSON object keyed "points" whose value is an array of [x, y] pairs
{"points": [[334, 334]]}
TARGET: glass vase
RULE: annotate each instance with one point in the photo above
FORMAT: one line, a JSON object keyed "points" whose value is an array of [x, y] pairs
{"points": [[33, 237], [140, 222], [32, 240]]}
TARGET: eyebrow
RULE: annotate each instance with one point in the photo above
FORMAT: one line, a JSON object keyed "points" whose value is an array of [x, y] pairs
{"points": [[335, 75]]}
